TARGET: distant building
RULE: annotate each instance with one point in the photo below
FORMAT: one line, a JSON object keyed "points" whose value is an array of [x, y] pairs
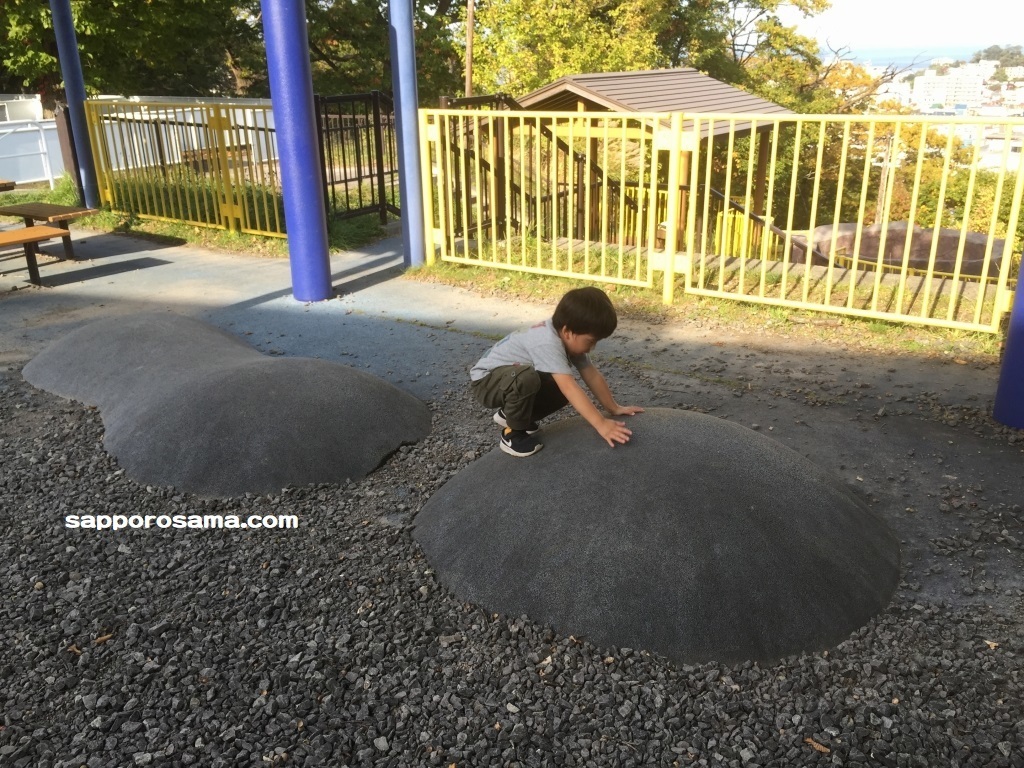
{"points": [[997, 145], [986, 68], [960, 87], [899, 91]]}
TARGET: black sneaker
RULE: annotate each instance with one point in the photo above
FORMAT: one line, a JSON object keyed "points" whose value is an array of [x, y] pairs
{"points": [[516, 442], [499, 419]]}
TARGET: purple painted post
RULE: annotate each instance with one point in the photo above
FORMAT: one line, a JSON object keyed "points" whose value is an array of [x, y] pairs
{"points": [[403, 77], [1009, 405], [291, 91], [74, 90]]}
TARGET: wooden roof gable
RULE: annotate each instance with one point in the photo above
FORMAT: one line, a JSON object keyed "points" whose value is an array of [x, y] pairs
{"points": [[660, 90]]}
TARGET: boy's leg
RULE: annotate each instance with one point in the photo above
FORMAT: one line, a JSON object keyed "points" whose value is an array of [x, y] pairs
{"points": [[513, 388], [549, 397]]}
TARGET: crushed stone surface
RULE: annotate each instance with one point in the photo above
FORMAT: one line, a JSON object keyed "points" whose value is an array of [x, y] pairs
{"points": [[333, 644]]}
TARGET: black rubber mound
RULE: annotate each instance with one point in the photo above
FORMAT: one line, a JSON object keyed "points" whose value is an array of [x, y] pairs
{"points": [[187, 405], [699, 540]]}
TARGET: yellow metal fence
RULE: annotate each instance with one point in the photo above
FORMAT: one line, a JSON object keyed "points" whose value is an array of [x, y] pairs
{"points": [[210, 164], [903, 218]]}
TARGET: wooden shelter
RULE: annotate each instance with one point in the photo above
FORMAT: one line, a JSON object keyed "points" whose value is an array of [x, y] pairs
{"points": [[659, 90], [683, 90], [602, 157]]}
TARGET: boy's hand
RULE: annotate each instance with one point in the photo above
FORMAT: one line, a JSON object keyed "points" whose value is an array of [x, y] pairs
{"points": [[626, 410], [614, 432]]}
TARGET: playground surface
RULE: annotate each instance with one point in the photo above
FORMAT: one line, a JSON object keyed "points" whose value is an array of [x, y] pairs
{"points": [[334, 644]]}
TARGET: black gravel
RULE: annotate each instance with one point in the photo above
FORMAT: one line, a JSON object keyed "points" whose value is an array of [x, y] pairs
{"points": [[333, 644]]}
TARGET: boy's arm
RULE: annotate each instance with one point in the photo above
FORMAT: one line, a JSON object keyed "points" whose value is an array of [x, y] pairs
{"points": [[612, 431], [596, 383]]}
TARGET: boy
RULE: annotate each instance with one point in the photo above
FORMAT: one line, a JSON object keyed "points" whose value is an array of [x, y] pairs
{"points": [[528, 374]]}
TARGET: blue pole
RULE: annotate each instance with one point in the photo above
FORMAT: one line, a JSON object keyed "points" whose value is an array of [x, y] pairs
{"points": [[1009, 405], [403, 75], [74, 88], [291, 91]]}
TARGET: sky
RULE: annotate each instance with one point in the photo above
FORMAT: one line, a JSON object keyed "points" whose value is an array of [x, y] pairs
{"points": [[924, 24]]}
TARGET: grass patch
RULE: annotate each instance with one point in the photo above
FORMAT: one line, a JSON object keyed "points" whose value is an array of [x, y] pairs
{"points": [[641, 303], [727, 316]]}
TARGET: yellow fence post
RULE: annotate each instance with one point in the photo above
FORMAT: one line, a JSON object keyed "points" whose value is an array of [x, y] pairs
{"points": [[94, 121], [427, 181], [218, 131], [1004, 296], [675, 159]]}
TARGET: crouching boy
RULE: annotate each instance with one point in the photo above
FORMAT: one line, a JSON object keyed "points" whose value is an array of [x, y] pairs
{"points": [[529, 374]]}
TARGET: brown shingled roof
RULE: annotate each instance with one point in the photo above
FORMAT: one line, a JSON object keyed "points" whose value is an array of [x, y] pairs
{"points": [[660, 90]]}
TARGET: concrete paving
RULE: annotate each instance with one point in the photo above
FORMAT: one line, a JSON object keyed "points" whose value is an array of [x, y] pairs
{"points": [[403, 331]]}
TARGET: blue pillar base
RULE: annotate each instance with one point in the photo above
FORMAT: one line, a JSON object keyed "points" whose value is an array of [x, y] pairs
{"points": [[291, 91], [1009, 404]]}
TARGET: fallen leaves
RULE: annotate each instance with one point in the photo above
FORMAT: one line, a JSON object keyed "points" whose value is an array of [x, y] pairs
{"points": [[816, 746]]}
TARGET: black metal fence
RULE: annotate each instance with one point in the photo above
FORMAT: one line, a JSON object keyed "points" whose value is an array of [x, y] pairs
{"points": [[359, 154]]}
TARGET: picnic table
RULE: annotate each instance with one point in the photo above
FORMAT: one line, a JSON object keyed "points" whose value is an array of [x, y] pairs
{"points": [[50, 213], [6, 186]]}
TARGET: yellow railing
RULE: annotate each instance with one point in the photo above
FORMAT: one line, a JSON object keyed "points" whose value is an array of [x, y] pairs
{"points": [[210, 164], [899, 217], [542, 193]]}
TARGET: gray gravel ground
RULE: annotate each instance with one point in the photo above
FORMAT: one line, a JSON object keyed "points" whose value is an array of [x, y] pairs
{"points": [[334, 645]]}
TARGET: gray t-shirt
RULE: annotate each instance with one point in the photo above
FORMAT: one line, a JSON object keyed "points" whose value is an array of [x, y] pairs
{"points": [[538, 345]]}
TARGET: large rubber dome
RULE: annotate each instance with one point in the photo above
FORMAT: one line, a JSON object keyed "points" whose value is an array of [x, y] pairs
{"points": [[699, 540], [187, 405]]}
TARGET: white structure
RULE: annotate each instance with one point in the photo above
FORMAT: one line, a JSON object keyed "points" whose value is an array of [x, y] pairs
{"points": [[996, 146], [19, 106], [899, 91], [959, 87], [986, 68], [29, 147]]}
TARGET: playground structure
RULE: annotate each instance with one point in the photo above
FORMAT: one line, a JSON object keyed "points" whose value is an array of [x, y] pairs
{"points": [[868, 549], [752, 552], [185, 404]]}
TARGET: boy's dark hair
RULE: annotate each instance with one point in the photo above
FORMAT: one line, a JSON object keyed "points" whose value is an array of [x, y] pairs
{"points": [[586, 310]]}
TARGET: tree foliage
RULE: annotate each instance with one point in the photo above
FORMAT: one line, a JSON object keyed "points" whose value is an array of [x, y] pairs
{"points": [[350, 49], [173, 47], [214, 47], [524, 44], [1010, 56]]}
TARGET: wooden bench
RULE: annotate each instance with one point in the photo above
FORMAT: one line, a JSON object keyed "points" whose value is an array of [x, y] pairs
{"points": [[6, 186], [61, 215], [201, 159], [29, 238]]}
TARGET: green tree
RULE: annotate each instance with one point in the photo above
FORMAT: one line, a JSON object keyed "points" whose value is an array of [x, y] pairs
{"points": [[215, 47], [350, 50], [1010, 56], [174, 47], [524, 44], [723, 38]]}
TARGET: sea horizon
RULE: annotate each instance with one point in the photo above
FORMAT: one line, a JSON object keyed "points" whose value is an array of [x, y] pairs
{"points": [[912, 56]]}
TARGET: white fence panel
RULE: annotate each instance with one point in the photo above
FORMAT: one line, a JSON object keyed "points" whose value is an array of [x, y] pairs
{"points": [[30, 151]]}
